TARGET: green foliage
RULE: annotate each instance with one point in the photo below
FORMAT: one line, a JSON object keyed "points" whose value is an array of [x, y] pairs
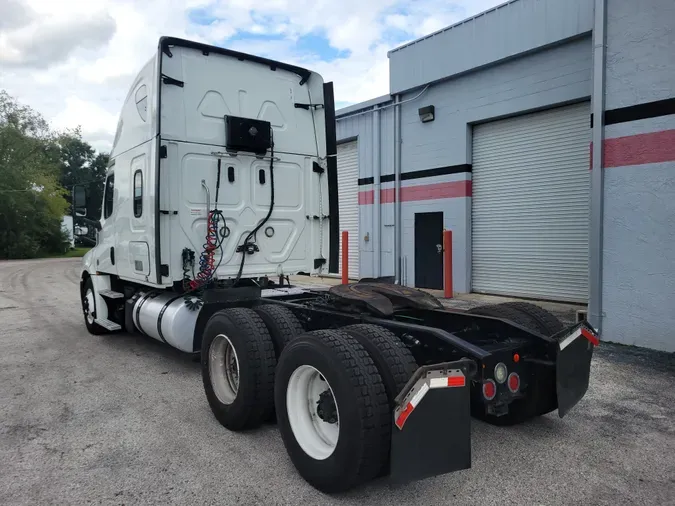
{"points": [[81, 165], [74, 253], [37, 169]]}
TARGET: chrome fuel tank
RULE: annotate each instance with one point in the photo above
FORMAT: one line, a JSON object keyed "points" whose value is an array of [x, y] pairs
{"points": [[165, 316]]}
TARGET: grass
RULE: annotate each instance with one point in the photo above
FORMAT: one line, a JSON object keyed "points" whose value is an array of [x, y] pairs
{"points": [[72, 253]]}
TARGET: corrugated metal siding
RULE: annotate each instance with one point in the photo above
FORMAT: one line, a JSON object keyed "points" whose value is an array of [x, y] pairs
{"points": [[530, 209], [499, 33], [348, 192]]}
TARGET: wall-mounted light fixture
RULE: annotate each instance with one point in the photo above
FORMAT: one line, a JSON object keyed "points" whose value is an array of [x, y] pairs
{"points": [[427, 113]]}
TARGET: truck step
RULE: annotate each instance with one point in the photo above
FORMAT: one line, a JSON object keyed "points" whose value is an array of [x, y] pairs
{"points": [[107, 324], [111, 294]]}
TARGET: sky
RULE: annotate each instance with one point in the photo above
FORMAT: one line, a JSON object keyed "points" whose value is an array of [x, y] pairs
{"points": [[74, 60]]}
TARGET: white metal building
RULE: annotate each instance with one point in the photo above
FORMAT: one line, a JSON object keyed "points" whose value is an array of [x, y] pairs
{"points": [[487, 131]]}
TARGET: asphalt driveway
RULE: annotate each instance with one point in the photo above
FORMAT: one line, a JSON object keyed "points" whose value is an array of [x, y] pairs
{"points": [[123, 419]]}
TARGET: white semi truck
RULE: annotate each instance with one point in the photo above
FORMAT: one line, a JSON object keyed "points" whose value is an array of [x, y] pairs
{"points": [[222, 183]]}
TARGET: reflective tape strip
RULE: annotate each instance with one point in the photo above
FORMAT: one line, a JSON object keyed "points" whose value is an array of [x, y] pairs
{"points": [[579, 332], [404, 415], [588, 335], [419, 395], [400, 421], [569, 339], [455, 379]]}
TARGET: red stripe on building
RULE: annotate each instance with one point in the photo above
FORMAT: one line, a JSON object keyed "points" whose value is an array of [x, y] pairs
{"points": [[656, 147], [640, 149], [435, 191], [366, 197]]}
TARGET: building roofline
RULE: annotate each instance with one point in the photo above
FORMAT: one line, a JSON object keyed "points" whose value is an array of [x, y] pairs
{"points": [[350, 109], [447, 28]]}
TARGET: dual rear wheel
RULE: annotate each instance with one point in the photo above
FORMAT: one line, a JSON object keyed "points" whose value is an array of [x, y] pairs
{"points": [[332, 390]]}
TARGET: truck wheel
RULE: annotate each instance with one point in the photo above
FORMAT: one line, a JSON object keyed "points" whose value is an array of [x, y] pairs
{"points": [[89, 309], [547, 323], [238, 362], [332, 410], [393, 360], [506, 313], [282, 324]]}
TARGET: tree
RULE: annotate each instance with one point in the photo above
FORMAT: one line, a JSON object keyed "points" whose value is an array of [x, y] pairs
{"points": [[32, 202], [81, 165]]}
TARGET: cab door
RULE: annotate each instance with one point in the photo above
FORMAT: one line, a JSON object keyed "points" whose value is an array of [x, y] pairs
{"points": [[134, 216], [106, 261]]}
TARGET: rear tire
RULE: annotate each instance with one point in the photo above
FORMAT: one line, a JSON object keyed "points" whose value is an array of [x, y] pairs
{"points": [[526, 314], [282, 324], [356, 454], [507, 313], [237, 338], [547, 323], [393, 360]]}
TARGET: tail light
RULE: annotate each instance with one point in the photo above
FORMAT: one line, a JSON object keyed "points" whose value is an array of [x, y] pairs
{"points": [[489, 389], [513, 382]]}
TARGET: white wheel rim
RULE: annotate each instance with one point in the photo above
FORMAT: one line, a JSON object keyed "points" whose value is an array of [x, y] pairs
{"points": [[224, 369], [317, 437], [89, 296]]}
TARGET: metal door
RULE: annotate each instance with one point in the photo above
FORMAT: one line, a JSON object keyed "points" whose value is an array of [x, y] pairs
{"points": [[530, 206], [429, 250], [348, 198]]}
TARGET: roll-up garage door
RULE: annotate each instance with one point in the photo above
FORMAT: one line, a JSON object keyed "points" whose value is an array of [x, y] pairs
{"points": [[531, 204], [348, 192]]}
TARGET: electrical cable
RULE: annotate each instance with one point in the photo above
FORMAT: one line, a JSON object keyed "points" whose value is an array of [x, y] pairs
{"points": [[213, 242], [246, 244]]}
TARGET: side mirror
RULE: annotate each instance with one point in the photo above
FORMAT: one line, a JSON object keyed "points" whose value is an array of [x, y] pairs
{"points": [[81, 231], [80, 201]]}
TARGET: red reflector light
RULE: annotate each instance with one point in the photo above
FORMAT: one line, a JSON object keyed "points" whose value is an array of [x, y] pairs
{"points": [[513, 382], [489, 389]]}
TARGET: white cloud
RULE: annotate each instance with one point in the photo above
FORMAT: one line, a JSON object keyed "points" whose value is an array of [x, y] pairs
{"points": [[73, 60], [14, 14]]}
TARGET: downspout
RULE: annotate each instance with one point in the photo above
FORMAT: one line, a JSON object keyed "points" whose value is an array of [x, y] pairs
{"points": [[377, 170], [397, 190], [597, 175]]}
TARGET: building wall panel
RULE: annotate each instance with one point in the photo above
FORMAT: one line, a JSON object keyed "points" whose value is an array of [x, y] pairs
{"points": [[506, 31]]}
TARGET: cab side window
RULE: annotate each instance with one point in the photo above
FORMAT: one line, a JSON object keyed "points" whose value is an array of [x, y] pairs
{"points": [[138, 194], [108, 200]]}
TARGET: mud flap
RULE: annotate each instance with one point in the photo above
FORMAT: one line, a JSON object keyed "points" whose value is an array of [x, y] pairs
{"points": [[573, 366], [431, 426]]}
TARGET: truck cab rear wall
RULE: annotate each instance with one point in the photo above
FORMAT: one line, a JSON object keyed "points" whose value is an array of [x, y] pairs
{"points": [[172, 135], [220, 84]]}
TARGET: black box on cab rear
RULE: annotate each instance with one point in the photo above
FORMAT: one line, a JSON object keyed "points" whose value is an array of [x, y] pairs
{"points": [[247, 134]]}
